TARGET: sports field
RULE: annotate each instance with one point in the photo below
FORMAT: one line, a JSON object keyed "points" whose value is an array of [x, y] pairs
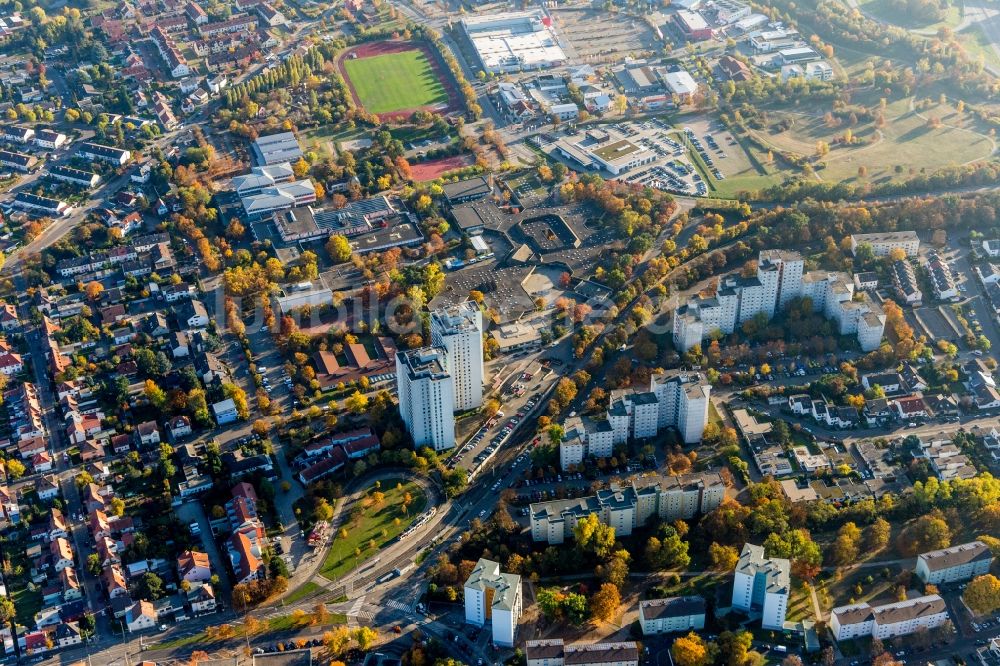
{"points": [[396, 81]]}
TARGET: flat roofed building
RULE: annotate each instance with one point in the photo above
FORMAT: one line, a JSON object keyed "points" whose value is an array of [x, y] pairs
{"points": [[279, 197], [516, 336], [692, 25], [681, 84], [514, 41], [672, 615], [459, 330], [884, 242], [762, 584], [495, 597], [469, 189], [426, 397], [954, 564], [625, 508], [276, 148]]}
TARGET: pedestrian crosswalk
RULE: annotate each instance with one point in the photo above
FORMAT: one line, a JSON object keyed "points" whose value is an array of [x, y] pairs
{"points": [[355, 608], [399, 605]]}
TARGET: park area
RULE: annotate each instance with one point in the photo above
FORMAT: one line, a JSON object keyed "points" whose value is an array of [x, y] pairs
{"points": [[911, 136], [379, 516], [395, 79]]}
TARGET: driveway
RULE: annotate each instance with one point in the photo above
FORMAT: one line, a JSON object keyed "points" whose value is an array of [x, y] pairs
{"points": [[193, 512]]}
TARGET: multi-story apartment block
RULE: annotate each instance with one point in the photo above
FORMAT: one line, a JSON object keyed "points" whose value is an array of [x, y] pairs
{"points": [[885, 242], [627, 508], [896, 619], [459, 330], [674, 399], [494, 597], [554, 653], [762, 584], [672, 615], [779, 280], [585, 438], [426, 397], [954, 564]]}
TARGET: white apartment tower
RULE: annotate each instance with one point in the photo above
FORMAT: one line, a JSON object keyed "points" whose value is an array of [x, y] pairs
{"points": [[494, 597], [788, 266], [779, 280], [459, 330], [762, 584], [426, 397], [683, 402]]}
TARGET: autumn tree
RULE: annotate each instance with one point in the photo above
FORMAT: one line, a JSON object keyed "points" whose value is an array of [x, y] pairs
{"points": [[338, 248], [593, 536], [982, 594], [929, 532], [364, 637], [337, 641], [722, 558], [605, 602], [691, 650], [878, 534]]}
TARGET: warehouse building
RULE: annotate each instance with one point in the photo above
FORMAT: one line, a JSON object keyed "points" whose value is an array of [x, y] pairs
{"points": [[514, 41]]}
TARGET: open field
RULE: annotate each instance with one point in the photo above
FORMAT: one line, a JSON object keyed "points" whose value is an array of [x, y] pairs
{"points": [[977, 44], [372, 524], [905, 145], [882, 9], [388, 78]]}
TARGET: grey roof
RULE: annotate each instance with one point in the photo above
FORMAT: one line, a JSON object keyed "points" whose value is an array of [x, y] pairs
{"points": [[776, 570], [974, 551], [487, 575], [655, 609], [467, 189], [274, 148]]}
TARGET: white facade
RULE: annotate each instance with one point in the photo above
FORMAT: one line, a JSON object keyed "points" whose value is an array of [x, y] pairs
{"points": [[762, 584], [494, 597], [896, 619], [426, 397], [672, 615], [626, 508], [884, 243], [459, 330], [779, 280], [954, 564]]}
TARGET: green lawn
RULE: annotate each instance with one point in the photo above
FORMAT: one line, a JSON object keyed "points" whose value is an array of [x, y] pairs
{"points": [[26, 604], [884, 10], [395, 82], [372, 523], [906, 142], [287, 622], [308, 589], [978, 44]]}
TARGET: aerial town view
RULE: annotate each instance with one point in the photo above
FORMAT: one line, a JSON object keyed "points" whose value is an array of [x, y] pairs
{"points": [[484, 333]]}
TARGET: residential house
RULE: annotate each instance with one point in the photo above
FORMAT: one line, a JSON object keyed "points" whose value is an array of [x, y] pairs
{"points": [[141, 616]]}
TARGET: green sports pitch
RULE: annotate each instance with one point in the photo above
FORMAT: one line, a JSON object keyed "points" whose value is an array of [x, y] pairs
{"points": [[394, 82]]}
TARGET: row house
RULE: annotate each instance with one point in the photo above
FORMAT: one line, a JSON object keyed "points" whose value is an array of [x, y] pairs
{"points": [[244, 23]]}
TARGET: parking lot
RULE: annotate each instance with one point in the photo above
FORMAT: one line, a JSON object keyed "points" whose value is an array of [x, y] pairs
{"points": [[675, 169]]}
